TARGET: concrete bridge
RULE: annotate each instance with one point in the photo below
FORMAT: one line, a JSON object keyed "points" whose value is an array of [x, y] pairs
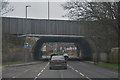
{"points": [[80, 33]]}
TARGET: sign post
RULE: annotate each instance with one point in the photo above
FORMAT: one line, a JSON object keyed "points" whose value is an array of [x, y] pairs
{"points": [[25, 53]]}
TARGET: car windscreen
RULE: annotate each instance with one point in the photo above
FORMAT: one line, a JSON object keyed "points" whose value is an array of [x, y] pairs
{"points": [[58, 58]]}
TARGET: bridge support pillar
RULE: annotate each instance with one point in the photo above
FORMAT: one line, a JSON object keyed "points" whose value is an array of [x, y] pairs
{"points": [[37, 53], [78, 49]]}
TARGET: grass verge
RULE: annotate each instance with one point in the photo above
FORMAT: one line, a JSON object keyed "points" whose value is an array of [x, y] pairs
{"points": [[9, 63], [108, 65]]}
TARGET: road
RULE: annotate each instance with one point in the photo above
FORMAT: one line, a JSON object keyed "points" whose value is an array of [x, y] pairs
{"points": [[76, 69]]}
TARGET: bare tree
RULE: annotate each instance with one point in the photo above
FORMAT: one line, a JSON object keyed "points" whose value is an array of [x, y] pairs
{"points": [[90, 11], [5, 7]]}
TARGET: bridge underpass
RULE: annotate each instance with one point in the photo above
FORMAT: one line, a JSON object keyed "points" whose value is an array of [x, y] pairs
{"points": [[54, 31], [81, 44]]}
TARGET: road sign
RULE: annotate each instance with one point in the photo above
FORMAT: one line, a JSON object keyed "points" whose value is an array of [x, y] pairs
{"points": [[26, 45]]}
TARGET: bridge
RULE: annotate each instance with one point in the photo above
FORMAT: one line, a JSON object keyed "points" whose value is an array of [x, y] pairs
{"points": [[76, 32]]}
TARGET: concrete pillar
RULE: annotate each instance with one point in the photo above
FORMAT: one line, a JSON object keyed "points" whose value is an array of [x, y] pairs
{"points": [[78, 49]]}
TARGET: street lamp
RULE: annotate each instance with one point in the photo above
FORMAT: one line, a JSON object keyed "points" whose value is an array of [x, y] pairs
{"points": [[26, 18], [26, 10], [48, 10], [26, 43]]}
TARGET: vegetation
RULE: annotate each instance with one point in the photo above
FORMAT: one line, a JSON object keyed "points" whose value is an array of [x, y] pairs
{"points": [[15, 62], [5, 7], [108, 65], [11, 43], [89, 11], [106, 13], [12, 48]]}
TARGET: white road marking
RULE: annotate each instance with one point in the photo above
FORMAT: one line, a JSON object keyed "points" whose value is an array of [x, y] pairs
{"points": [[79, 72], [82, 74], [39, 74], [35, 78], [88, 78], [41, 71], [76, 70], [73, 69], [13, 77]]}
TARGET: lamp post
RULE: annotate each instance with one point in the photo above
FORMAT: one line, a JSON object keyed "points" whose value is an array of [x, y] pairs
{"points": [[26, 15], [26, 10], [48, 10], [26, 43]]}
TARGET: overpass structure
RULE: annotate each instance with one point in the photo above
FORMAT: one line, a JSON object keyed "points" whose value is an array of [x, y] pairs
{"points": [[54, 31]]}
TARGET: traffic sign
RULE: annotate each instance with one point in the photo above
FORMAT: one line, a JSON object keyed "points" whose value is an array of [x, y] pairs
{"points": [[26, 45]]}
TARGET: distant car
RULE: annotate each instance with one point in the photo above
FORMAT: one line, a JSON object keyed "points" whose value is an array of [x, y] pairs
{"points": [[65, 56], [58, 62]]}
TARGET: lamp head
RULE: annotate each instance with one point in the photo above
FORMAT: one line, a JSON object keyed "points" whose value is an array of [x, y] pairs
{"points": [[28, 6]]}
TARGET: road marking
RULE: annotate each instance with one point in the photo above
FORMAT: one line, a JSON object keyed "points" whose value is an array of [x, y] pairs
{"points": [[39, 74], [26, 70], [20, 73], [41, 71], [82, 74], [35, 78], [13, 77], [79, 72], [76, 70], [88, 78], [73, 69]]}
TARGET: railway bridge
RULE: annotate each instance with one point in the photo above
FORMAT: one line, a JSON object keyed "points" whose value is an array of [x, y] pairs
{"points": [[81, 33]]}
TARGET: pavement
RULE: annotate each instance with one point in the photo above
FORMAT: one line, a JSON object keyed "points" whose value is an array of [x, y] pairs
{"points": [[76, 69], [23, 64]]}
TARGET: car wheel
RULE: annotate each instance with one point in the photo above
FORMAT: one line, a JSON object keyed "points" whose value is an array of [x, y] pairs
{"points": [[50, 67], [65, 67]]}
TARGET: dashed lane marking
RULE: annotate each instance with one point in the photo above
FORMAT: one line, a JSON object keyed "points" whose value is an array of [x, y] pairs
{"points": [[79, 72], [82, 74], [76, 70], [41, 71]]}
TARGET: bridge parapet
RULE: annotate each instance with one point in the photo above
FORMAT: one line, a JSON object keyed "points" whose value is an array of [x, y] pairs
{"points": [[37, 26]]}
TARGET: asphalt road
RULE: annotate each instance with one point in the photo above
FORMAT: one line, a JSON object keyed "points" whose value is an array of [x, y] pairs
{"points": [[76, 69]]}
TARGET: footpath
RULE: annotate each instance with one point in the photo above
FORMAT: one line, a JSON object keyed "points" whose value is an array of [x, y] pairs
{"points": [[23, 64]]}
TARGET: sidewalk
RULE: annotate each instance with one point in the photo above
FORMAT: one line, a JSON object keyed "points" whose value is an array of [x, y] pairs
{"points": [[24, 64], [91, 62]]}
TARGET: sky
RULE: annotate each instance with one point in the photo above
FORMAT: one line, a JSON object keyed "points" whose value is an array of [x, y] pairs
{"points": [[38, 10]]}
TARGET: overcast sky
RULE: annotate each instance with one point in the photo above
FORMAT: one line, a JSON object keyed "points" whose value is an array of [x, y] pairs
{"points": [[38, 10]]}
